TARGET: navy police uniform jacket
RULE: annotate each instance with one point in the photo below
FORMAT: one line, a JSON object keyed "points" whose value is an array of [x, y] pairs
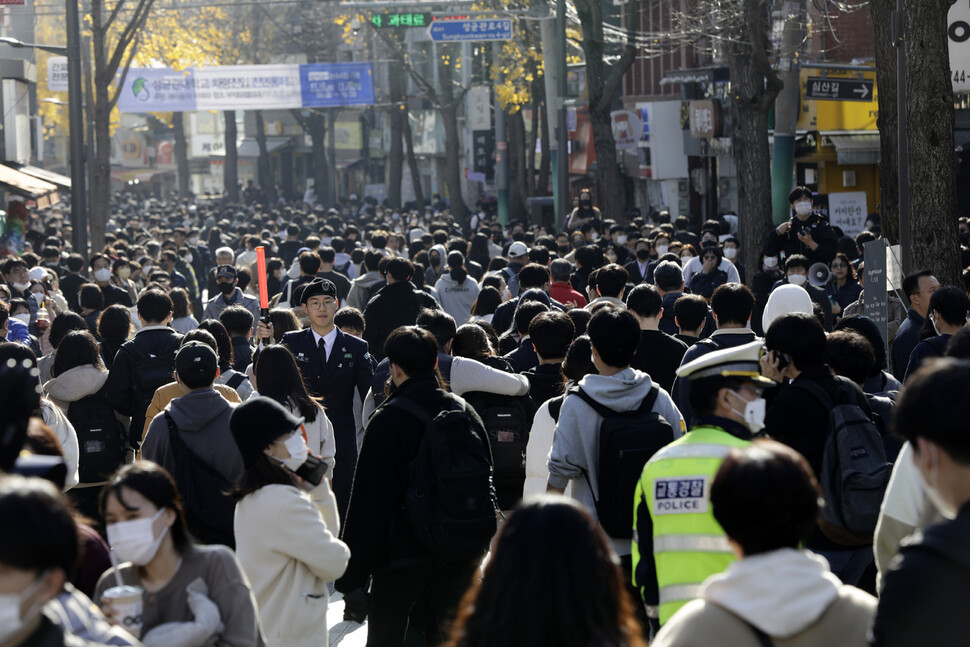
{"points": [[349, 367]]}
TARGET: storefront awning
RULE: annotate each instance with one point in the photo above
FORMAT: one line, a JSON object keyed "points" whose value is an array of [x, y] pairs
{"points": [[855, 148], [250, 147], [41, 192], [61, 181]]}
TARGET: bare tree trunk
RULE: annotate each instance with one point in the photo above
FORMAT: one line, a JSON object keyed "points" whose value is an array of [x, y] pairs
{"points": [[181, 153], [398, 115], [413, 164], [318, 135], [263, 171], [333, 188], [449, 115], [930, 121], [881, 11], [755, 87], [230, 169], [101, 195], [518, 178], [602, 90]]}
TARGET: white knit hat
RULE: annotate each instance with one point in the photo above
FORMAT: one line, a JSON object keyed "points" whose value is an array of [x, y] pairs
{"points": [[784, 299]]}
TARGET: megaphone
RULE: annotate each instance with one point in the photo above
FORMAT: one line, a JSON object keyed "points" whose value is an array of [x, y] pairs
{"points": [[819, 274]]}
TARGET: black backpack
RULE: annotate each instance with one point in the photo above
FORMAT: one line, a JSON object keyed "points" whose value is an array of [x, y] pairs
{"points": [[101, 438], [855, 471], [449, 503], [152, 370], [508, 421], [627, 440], [209, 508]]}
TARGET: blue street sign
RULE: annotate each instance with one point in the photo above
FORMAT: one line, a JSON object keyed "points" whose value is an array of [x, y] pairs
{"points": [[447, 31]]}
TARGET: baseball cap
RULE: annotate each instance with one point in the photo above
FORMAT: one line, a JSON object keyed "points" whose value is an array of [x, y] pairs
{"points": [[196, 363], [227, 271], [518, 248]]}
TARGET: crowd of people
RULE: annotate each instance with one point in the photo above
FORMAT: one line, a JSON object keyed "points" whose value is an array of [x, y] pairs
{"points": [[502, 434]]}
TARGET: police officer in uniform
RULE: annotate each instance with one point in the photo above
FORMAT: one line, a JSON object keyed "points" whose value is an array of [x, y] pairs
{"points": [[333, 365], [677, 543], [807, 233]]}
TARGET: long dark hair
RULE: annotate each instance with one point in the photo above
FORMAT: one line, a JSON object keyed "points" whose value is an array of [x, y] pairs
{"points": [[456, 261], [487, 302], [76, 349], [153, 482], [492, 612], [260, 474], [278, 377], [227, 356]]}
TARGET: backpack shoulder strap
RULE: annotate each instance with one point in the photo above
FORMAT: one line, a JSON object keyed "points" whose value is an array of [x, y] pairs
{"points": [[649, 400], [602, 410], [182, 452], [234, 381], [410, 406], [555, 407]]}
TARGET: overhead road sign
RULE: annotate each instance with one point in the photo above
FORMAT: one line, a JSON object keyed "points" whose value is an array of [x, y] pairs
{"points": [[837, 89], [470, 30], [390, 19]]}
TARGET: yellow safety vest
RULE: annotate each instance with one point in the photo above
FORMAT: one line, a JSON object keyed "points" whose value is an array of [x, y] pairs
{"points": [[688, 544]]}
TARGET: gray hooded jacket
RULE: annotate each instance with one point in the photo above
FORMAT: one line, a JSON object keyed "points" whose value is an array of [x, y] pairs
{"points": [[202, 418], [575, 448]]}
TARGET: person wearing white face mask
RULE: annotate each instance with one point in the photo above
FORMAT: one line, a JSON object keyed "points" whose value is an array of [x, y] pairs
{"points": [[678, 544], [286, 528], [193, 595], [807, 233], [38, 554], [798, 417], [101, 273], [925, 584]]}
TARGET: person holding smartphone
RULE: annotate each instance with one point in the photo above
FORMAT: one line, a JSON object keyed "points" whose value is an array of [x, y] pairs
{"points": [[286, 524], [806, 233]]}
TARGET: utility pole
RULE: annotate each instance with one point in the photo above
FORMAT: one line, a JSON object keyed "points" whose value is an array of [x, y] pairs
{"points": [[79, 216]]}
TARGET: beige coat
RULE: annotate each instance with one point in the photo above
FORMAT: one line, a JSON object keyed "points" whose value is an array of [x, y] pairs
{"points": [[286, 541], [172, 390], [789, 595], [701, 624]]}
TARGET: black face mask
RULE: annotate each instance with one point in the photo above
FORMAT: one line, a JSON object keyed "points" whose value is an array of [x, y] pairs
{"points": [[227, 288], [643, 254], [584, 204], [564, 249]]}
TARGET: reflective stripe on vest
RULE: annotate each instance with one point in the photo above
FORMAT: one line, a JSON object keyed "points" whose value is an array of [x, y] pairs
{"points": [[691, 544], [698, 450], [679, 593]]}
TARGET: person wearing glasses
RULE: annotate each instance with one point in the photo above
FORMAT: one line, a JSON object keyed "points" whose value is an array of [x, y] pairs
{"points": [[845, 289], [711, 276]]}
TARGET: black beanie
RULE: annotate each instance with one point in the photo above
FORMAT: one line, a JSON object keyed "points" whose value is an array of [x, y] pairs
{"points": [[256, 423]]}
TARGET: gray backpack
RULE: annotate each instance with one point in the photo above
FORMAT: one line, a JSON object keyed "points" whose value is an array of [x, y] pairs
{"points": [[855, 471]]}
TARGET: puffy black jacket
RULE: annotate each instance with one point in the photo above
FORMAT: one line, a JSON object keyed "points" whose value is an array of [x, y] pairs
{"points": [[394, 306], [127, 371]]}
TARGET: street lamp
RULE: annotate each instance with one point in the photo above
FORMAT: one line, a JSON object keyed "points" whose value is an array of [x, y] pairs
{"points": [[79, 219], [13, 42]]}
